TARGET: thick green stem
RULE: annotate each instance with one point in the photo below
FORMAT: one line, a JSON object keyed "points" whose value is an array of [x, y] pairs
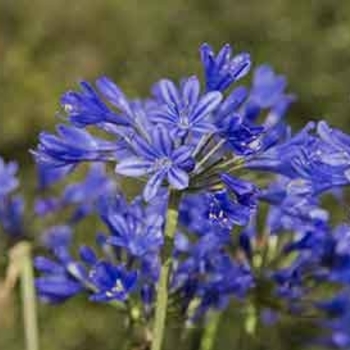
{"points": [[162, 290], [21, 255], [161, 308], [210, 331]]}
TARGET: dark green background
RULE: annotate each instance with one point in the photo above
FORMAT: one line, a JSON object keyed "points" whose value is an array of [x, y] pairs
{"points": [[48, 45]]}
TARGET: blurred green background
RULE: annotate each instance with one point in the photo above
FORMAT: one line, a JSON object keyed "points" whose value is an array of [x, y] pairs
{"points": [[46, 46]]}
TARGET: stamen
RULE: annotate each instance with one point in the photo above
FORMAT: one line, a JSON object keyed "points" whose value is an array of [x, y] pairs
{"points": [[208, 155], [202, 144]]}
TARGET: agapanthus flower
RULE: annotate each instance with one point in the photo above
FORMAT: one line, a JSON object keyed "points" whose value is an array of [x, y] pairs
{"points": [[67, 276], [160, 159], [316, 159], [11, 216], [86, 107], [136, 230], [223, 69], [8, 179], [71, 146], [11, 204], [185, 109]]}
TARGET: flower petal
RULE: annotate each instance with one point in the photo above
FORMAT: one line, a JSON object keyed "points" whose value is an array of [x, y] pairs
{"points": [[153, 185], [113, 94], [206, 105], [162, 140], [143, 148], [190, 92], [169, 93], [133, 167], [181, 154], [178, 178]]}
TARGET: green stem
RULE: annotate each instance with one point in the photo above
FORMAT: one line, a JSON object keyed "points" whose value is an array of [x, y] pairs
{"points": [[162, 290], [161, 308], [251, 321], [22, 256], [210, 331]]}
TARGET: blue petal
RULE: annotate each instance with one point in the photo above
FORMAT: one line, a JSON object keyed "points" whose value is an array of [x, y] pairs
{"points": [[46, 265], [133, 167], [178, 178], [162, 140], [88, 255], [204, 127], [78, 137], [181, 154], [208, 103], [190, 91], [59, 286], [207, 58], [153, 185], [114, 95], [169, 93], [224, 55], [240, 65], [144, 149]]}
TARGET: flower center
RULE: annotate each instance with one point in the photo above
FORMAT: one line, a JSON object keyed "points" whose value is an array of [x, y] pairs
{"points": [[184, 121], [163, 163]]}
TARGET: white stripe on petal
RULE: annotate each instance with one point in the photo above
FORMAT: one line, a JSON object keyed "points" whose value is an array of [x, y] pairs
{"points": [[133, 167]]}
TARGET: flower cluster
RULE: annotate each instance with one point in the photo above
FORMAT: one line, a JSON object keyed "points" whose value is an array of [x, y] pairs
{"points": [[212, 160]]}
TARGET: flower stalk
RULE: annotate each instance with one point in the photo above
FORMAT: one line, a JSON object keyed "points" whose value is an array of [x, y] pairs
{"points": [[21, 256], [162, 292], [210, 331]]}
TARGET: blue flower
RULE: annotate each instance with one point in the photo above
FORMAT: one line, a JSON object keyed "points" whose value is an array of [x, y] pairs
{"points": [[209, 275], [11, 216], [317, 162], [112, 282], [11, 206], [72, 146], [242, 137], [245, 191], [184, 109], [194, 213], [291, 208], [237, 115], [61, 279], [8, 180], [336, 332], [161, 160], [224, 69], [268, 88], [86, 107], [135, 230], [227, 211], [67, 277]]}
